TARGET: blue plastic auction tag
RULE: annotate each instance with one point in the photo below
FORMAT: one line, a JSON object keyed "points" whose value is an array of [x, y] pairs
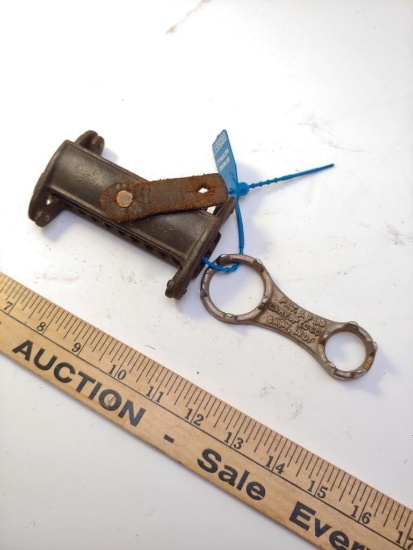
{"points": [[225, 161]]}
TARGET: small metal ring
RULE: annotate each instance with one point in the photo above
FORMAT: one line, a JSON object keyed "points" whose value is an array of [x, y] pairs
{"points": [[227, 259], [370, 348]]}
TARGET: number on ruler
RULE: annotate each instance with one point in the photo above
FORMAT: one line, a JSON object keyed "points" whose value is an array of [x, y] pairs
{"points": [[151, 388], [8, 306], [279, 468], [409, 541], [119, 373], [237, 444], [196, 420], [322, 491], [365, 518]]}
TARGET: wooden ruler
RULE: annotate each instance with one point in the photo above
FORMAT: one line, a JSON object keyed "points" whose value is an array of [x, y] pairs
{"points": [[308, 495]]}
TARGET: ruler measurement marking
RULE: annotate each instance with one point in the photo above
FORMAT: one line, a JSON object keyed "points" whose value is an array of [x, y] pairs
{"points": [[319, 470], [310, 475], [309, 462], [298, 457], [186, 395], [124, 348], [26, 299], [230, 421], [18, 298], [106, 348], [49, 312], [36, 304], [65, 316], [355, 495], [98, 342], [39, 306], [364, 490], [407, 519], [237, 420], [32, 300], [76, 328], [71, 319], [173, 383], [15, 292], [86, 327], [206, 405], [395, 513], [200, 403], [67, 319], [198, 396], [177, 399], [292, 456], [6, 281], [138, 365], [191, 387], [132, 357], [258, 431], [289, 449], [270, 433], [142, 368], [378, 505], [108, 339], [345, 487], [135, 358], [278, 442], [219, 404], [169, 380], [86, 338], [116, 348], [385, 506], [260, 439], [226, 416], [45, 305], [158, 374], [252, 429], [219, 417], [180, 382], [408, 535], [36, 299], [335, 479], [302, 464], [388, 515], [331, 473], [150, 370]]}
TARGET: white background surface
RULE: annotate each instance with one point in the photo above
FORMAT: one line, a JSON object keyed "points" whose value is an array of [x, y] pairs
{"points": [[297, 85]]}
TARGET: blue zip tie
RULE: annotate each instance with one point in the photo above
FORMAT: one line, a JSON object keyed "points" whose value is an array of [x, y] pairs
{"points": [[244, 188], [241, 240], [227, 167]]}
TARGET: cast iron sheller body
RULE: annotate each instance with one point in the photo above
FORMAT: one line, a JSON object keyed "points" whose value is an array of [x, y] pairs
{"points": [[75, 179]]}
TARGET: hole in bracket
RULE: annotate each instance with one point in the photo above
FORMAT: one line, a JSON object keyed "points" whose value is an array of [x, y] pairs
{"points": [[203, 190]]}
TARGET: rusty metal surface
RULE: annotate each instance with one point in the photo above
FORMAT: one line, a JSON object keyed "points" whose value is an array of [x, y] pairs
{"points": [[75, 179], [128, 201], [280, 314]]}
